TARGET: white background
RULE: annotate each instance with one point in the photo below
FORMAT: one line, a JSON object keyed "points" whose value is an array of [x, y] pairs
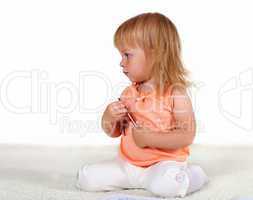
{"points": [[59, 68]]}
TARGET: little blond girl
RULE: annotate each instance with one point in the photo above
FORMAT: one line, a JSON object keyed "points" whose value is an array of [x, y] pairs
{"points": [[153, 116]]}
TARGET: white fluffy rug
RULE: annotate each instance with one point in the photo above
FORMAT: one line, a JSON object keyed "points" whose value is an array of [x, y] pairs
{"points": [[48, 172]]}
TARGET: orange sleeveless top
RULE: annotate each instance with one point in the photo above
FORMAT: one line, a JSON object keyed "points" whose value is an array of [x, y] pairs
{"points": [[155, 113]]}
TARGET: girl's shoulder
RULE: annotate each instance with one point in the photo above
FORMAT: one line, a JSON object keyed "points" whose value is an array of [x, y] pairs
{"points": [[175, 95], [181, 101], [129, 93]]}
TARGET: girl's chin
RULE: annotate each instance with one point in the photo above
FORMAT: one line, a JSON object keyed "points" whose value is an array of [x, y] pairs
{"points": [[132, 80]]}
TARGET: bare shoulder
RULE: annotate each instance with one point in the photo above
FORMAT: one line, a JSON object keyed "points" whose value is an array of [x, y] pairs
{"points": [[128, 92], [181, 101], [183, 110]]}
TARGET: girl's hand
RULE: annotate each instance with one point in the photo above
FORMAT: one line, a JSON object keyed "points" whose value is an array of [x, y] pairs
{"points": [[116, 111], [140, 135]]}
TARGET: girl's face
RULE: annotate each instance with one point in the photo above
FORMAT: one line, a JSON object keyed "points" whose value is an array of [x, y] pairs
{"points": [[134, 64]]}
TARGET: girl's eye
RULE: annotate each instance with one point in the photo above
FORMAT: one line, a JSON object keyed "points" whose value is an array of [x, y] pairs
{"points": [[127, 55]]}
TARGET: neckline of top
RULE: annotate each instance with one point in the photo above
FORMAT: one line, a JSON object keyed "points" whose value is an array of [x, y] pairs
{"points": [[146, 94], [141, 94]]}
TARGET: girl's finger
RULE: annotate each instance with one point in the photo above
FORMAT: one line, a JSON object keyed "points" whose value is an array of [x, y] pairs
{"points": [[121, 106], [118, 106], [138, 124], [122, 110]]}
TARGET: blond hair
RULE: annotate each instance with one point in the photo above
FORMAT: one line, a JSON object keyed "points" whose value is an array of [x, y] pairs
{"points": [[158, 37]]}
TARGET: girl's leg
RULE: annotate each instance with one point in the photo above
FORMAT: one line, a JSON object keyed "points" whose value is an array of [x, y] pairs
{"points": [[102, 176], [197, 177], [173, 179]]}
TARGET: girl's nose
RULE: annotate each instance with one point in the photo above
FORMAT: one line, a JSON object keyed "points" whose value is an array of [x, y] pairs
{"points": [[122, 64]]}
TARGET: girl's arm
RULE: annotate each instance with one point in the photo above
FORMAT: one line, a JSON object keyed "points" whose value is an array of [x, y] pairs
{"points": [[112, 129], [180, 136], [113, 118]]}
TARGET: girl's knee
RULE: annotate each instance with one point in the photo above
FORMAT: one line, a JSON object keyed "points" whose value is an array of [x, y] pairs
{"points": [[197, 177], [199, 173], [84, 180], [98, 177], [169, 184]]}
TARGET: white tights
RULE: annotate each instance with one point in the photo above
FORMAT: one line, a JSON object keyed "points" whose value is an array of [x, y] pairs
{"points": [[165, 179]]}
